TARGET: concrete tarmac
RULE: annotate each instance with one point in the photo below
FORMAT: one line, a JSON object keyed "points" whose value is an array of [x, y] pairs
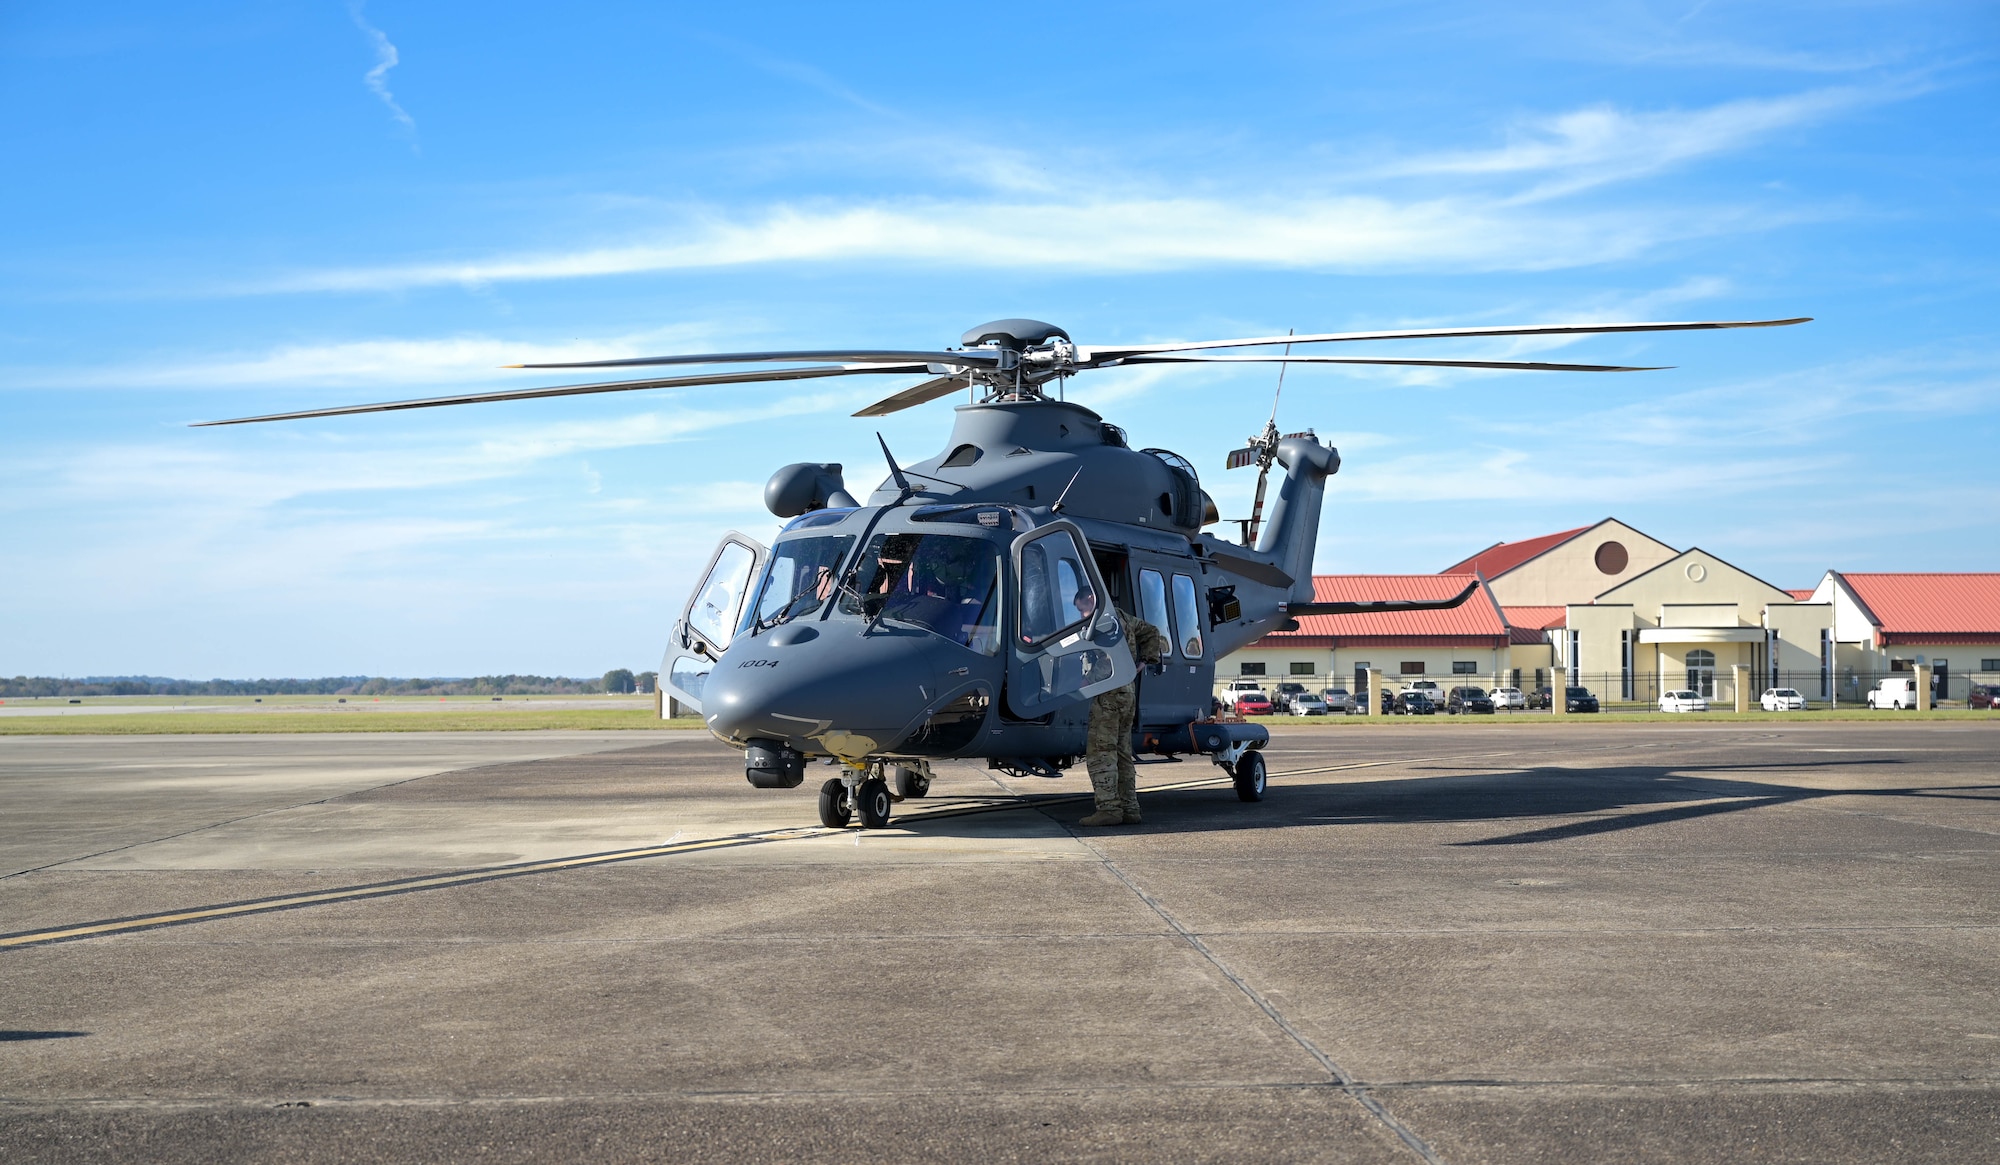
{"points": [[1494, 943]]}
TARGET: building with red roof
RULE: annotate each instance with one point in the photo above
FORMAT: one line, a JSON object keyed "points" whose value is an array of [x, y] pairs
{"points": [[1889, 622], [1628, 616]]}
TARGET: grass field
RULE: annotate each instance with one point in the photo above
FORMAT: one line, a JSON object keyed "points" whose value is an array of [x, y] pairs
{"points": [[443, 720]]}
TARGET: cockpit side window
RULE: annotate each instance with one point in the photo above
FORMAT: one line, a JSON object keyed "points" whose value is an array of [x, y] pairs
{"points": [[800, 578], [946, 584], [1056, 594]]}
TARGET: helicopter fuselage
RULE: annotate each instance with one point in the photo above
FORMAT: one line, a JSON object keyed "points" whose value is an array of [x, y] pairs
{"points": [[963, 613]]}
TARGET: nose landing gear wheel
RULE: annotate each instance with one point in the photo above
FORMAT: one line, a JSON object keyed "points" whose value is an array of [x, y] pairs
{"points": [[1249, 774], [874, 798], [911, 783], [834, 810]]}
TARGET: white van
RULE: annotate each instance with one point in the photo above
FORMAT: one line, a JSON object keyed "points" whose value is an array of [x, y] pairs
{"points": [[1894, 692]]}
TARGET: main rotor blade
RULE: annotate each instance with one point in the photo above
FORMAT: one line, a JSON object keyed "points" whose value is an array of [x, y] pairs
{"points": [[965, 359], [1095, 354], [580, 390], [915, 395], [1524, 365]]}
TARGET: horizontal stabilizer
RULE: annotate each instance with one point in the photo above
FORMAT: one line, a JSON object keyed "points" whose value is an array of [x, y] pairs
{"points": [[1384, 606]]}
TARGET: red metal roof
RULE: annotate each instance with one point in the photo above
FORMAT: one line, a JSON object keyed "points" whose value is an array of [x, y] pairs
{"points": [[1802, 596], [1539, 618], [1502, 557], [1475, 623], [1931, 608]]}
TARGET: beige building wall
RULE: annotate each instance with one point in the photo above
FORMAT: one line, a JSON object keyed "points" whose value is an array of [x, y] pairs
{"points": [[1571, 573]]}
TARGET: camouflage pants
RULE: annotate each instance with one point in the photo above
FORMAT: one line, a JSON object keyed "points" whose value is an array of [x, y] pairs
{"points": [[1113, 779]]}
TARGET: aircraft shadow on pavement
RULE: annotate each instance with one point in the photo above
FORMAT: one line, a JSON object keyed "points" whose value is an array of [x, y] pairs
{"points": [[1596, 800]]}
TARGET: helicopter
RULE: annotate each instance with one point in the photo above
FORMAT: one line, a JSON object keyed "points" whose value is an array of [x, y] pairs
{"points": [[962, 610]]}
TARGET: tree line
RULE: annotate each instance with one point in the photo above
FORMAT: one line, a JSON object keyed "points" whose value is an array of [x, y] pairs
{"points": [[618, 680]]}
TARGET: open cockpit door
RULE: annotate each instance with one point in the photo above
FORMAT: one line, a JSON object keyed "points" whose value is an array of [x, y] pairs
{"points": [[1067, 644], [711, 617]]}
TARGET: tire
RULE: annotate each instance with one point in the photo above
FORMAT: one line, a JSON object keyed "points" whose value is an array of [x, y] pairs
{"points": [[834, 811], [874, 797], [1249, 775], [911, 783]]}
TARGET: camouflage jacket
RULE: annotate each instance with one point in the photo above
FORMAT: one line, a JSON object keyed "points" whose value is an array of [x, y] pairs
{"points": [[1147, 643]]}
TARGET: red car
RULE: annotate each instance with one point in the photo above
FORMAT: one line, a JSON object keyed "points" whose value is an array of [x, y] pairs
{"points": [[1253, 706], [1984, 696]]}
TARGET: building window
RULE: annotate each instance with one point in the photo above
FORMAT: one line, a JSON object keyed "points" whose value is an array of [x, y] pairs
{"points": [[1826, 664], [1252, 669], [1303, 668], [1625, 640], [1989, 665], [1611, 557], [1575, 658], [1902, 665], [1413, 667], [1701, 671], [1465, 667]]}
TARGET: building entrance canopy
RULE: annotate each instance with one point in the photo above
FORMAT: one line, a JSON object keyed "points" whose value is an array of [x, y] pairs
{"points": [[1701, 635]]}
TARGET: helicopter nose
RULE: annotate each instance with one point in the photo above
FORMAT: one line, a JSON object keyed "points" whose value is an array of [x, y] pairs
{"points": [[827, 692]]}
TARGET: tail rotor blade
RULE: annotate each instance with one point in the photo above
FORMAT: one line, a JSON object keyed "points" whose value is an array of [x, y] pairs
{"points": [[1242, 457]]}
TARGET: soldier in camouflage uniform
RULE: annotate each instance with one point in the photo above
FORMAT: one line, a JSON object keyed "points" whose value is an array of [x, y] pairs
{"points": [[1113, 779]]}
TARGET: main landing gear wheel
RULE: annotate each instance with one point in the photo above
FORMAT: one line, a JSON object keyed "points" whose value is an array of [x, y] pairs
{"points": [[1249, 776], [874, 798], [911, 783], [834, 810]]}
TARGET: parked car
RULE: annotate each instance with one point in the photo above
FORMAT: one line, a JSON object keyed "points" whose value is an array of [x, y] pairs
{"points": [[1306, 704], [1283, 696], [1684, 700], [1507, 698], [1254, 704], [1983, 696], [1539, 698], [1337, 700], [1388, 701], [1429, 688], [1238, 689], [1894, 692], [1581, 700], [1782, 700], [1414, 702], [1468, 700]]}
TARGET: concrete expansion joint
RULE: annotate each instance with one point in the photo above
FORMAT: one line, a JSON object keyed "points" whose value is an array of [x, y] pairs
{"points": [[1338, 1076]]}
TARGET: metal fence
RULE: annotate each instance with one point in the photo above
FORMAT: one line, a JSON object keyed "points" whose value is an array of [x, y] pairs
{"points": [[1642, 690]]}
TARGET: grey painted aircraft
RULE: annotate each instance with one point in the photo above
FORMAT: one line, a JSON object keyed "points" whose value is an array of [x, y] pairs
{"points": [[962, 610]]}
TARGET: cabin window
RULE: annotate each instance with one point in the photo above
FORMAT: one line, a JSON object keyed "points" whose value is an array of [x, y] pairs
{"points": [[1187, 618], [1153, 601]]}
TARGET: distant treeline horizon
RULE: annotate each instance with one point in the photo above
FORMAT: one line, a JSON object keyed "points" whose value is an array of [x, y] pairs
{"points": [[616, 680]]}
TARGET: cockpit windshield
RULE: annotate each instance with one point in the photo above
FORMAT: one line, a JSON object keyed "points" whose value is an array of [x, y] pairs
{"points": [[946, 584], [800, 577]]}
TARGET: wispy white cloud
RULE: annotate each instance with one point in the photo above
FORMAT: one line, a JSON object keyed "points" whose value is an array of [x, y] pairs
{"points": [[377, 78], [1353, 233], [1600, 144], [1482, 210], [464, 359]]}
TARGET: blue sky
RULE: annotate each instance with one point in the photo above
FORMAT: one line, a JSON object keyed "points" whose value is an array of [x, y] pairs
{"points": [[222, 209]]}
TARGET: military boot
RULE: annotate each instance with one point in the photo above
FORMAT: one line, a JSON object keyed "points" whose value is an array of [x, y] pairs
{"points": [[1111, 816]]}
